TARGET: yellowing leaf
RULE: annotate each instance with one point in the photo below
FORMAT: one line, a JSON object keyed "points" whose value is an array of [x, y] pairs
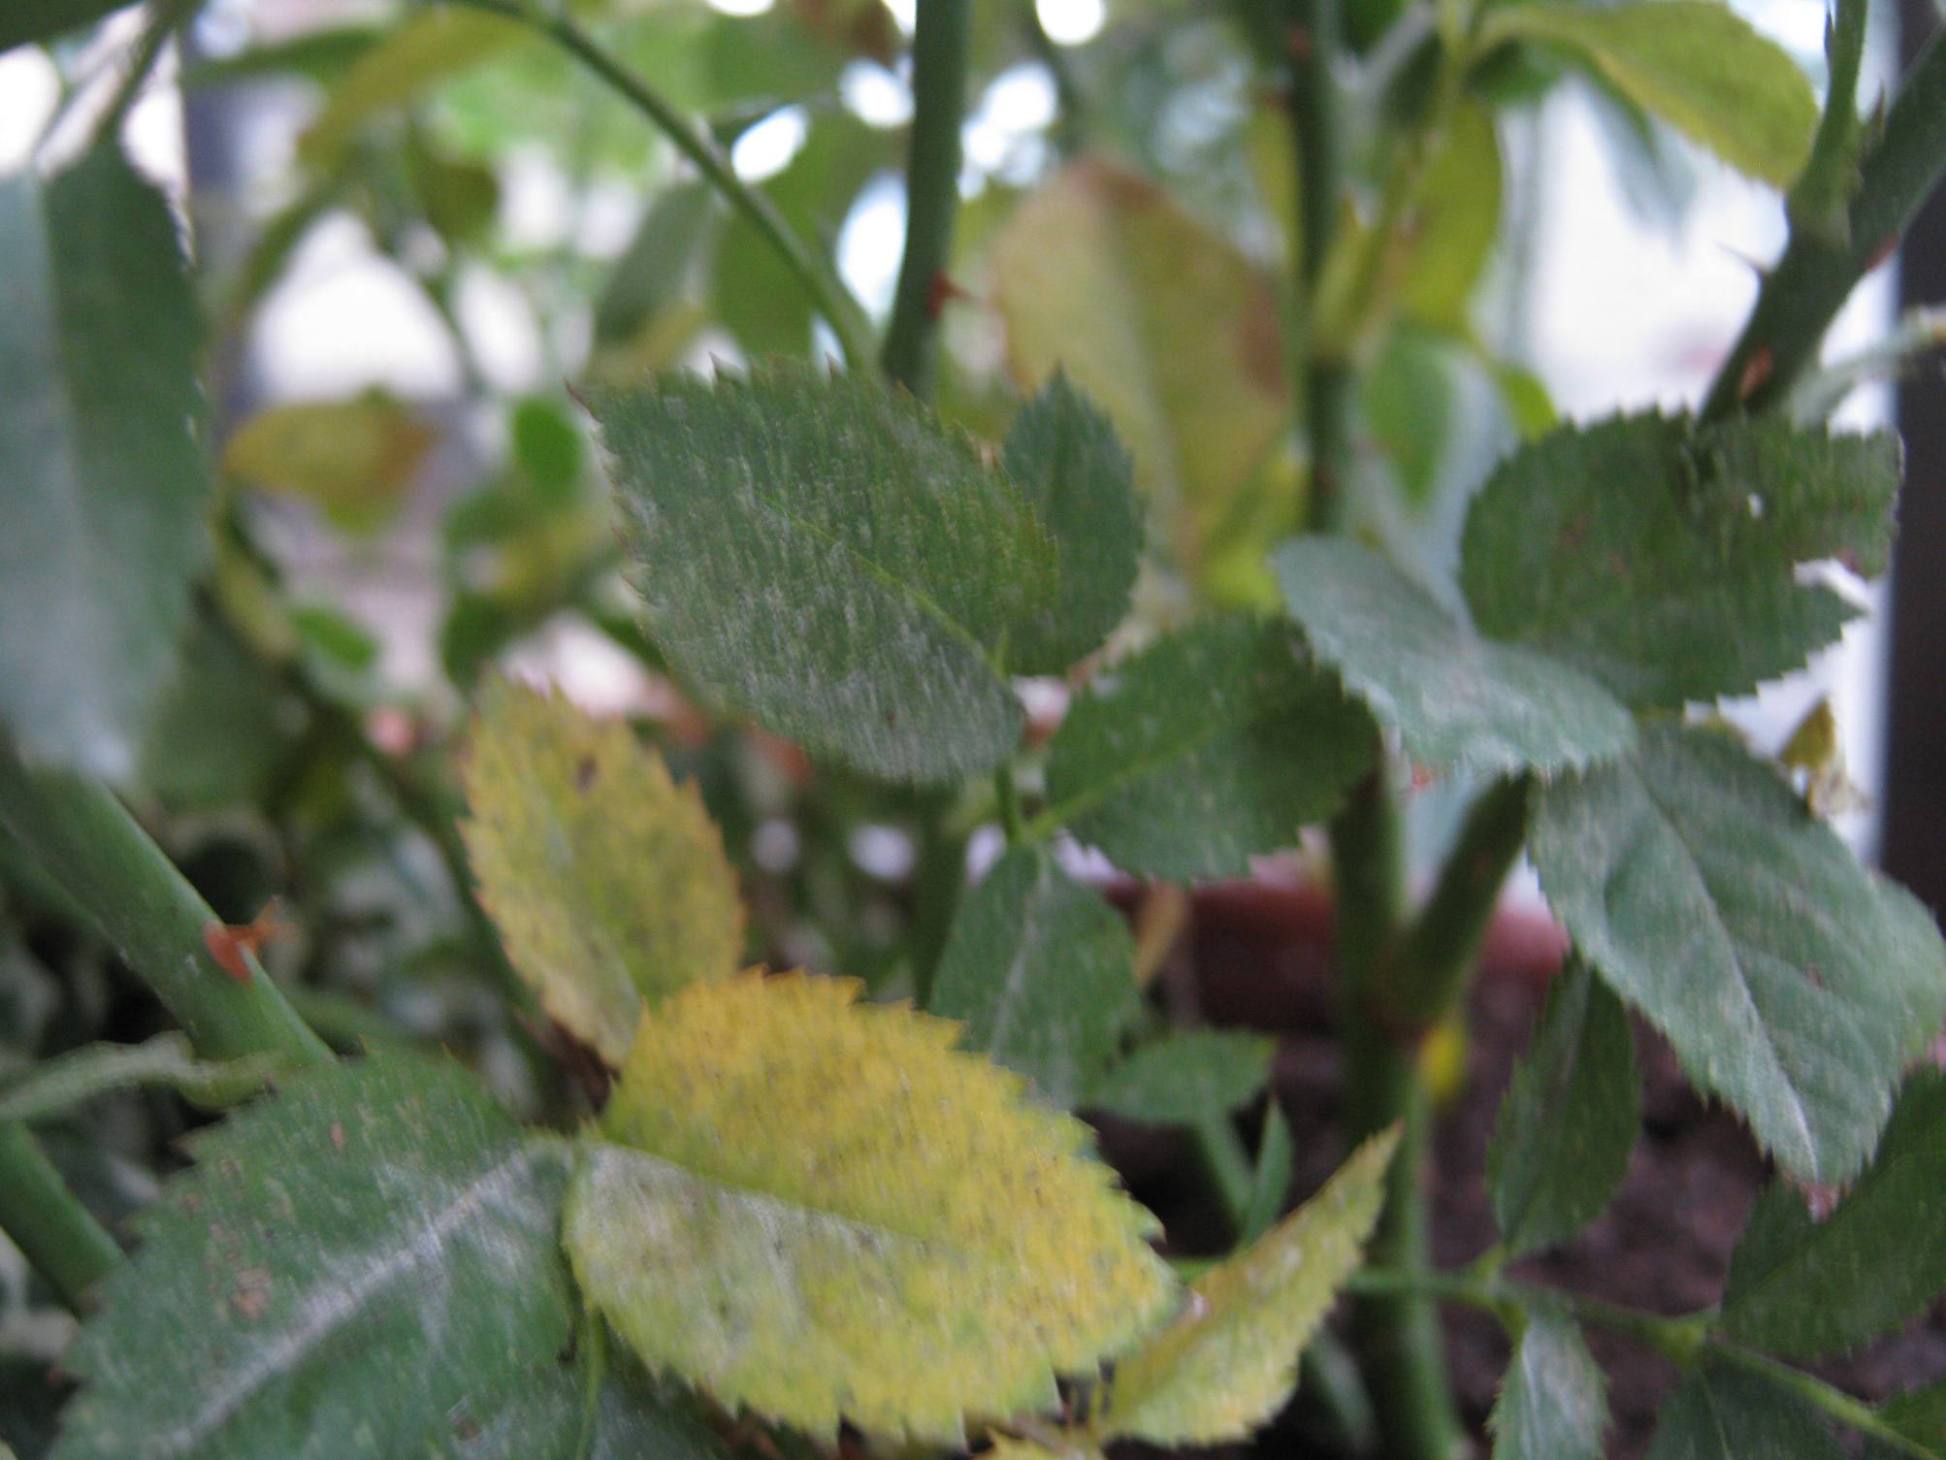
{"points": [[353, 458], [1229, 1363], [1163, 322], [1058, 1445], [814, 1209], [607, 881]]}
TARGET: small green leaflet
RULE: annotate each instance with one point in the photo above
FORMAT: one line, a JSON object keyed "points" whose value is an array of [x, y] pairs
{"points": [[818, 554], [1063, 453], [1553, 1402], [1230, 1361], [1041, 971], [1568, 1121], [1694, 63], [100, 469], [1726, 1414], [1792, 982], [1455, 699], [1806, 1289], [1185, 1076], [1216, 743], [1664, 562], [365, 1266]]}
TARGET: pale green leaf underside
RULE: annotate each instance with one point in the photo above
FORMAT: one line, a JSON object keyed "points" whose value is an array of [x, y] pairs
{"points": [[100, 472], [1041, 972], [365, 1266], [1185, 1076], [1665, 561], [1694, 63], [1214, 744], [1553, 1401], [1230, 1361], [1792, 982], [1806, 1289], [1568, 1122], [815, 1210], [819, 555], [1726, 1414], [1455, 699]]}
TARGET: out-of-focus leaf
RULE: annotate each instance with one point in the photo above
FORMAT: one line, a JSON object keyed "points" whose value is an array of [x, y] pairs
{"points": [[1063, 454], [607, 881], [353, 459], [320, 55], [1696, 64], [1186, 1076], [1728, 1414], [819, 554], [1455, 698], [1041, 972], [1568, 1121], [1159, 319], [1807, 1289], [1230, 1361], [458, 195], [1407, 400], [819, 1210], [1793, 983], [1553, 1403], [41, 20], [1459, 222], [1215, 744], [659, 266], [366, 1266], [102, 485], [219, 732]]}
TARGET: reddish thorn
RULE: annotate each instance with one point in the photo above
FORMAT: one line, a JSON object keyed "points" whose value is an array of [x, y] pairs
{"points": [[1756, 372], [940, 292], [1300, 43], [1887, 247]]}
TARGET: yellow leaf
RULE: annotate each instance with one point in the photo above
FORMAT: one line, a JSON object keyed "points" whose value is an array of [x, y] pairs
{"points": [[1056, 1445], [1229, 1363], [1158, 318], [607, 881], [353, 458], [814, 1208]]}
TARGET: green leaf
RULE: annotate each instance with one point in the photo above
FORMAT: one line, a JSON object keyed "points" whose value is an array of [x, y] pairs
{"points": [[1553, 1403], [1159, 319], [1727, 1414], [1458, 222], [1064, 455], [1805, 1289], [817, 1209], [1213, 745], [1230, 1361], [1186, 1076], [656, 270], [608, 882], [1792, 982], [634, 1419], [1455, 699], [1694, 63], [820, 555], [220, 731], [1919, 1415], [1665, 563], [1041, 971], [353, 459], [365, 1266], [1568, 1122], [99, 466], [42, 20]]}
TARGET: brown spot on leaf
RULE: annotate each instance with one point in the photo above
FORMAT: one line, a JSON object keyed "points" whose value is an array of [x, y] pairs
{"points": [[337, 1135], [251, 1295], [584, 773]]}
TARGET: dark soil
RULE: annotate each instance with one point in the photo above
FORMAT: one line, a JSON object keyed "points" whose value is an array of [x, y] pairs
{"points": [[1258, 956]]}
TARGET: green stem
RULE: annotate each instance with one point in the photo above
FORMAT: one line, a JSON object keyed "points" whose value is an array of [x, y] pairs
{"points": [[47, 1222], [86, 841], [166, 17], [1007, 795], [54, 1086], [820, 281], [1229, 1165], [1070, 117], [939, 54], [1684, 1340], [1423, 982], [1818, 271]]}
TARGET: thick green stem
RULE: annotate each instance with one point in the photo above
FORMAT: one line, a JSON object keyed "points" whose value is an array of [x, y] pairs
{"points": [[939, 48], [56, 1234], [1684, 1341], [87, 843], [1819, 269], [1424, 979], [820, 281]]}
